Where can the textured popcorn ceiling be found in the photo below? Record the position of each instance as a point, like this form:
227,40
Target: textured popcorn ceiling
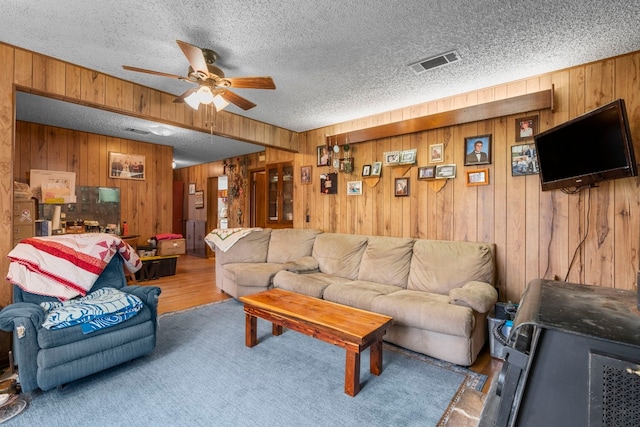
332,61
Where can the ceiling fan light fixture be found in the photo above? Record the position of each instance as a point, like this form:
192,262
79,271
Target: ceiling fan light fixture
219,102
193,100
205,95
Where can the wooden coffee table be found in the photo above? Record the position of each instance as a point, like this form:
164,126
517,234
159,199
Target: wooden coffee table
349,328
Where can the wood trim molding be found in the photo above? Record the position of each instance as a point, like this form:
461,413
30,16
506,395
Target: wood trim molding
519,104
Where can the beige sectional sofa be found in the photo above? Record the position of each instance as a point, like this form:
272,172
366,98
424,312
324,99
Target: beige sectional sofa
439,293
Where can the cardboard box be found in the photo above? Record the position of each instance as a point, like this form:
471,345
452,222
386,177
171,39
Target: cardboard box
171,247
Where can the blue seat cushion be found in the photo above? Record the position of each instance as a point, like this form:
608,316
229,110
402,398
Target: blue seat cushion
50,338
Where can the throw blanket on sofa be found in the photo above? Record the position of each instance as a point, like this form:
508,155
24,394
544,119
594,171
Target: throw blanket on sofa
100,309
66,266
224,238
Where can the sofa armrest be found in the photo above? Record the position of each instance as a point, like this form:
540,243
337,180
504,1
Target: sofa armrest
148,294
307,264
479,296
25,320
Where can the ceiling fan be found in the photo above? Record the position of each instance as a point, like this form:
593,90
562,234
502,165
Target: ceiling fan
213,87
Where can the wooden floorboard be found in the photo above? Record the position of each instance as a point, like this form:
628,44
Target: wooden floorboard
194,284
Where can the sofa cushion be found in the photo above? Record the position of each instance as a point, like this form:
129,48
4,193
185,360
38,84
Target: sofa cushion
248,274
288,244
479,296
251,248
386,260
359,294
440,265
427,311
339,254
306,264
312,284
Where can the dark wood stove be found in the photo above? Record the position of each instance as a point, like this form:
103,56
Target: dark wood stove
573,360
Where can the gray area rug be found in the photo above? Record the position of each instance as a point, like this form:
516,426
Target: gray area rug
202,374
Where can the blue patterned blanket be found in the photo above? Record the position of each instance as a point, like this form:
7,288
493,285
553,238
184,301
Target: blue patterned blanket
99,309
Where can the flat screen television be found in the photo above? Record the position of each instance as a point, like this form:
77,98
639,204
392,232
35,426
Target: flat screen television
591,148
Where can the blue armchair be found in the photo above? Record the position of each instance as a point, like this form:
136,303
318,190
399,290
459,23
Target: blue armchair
47,358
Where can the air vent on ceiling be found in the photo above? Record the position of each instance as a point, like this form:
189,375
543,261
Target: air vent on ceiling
138,131
435,62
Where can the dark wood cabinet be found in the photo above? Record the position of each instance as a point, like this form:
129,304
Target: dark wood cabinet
280,195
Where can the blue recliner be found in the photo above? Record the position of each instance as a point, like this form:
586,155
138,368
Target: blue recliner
49,358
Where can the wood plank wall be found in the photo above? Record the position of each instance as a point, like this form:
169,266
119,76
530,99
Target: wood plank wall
536,232
145,205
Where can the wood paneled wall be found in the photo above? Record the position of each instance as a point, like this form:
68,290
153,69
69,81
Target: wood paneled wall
145,205
536,233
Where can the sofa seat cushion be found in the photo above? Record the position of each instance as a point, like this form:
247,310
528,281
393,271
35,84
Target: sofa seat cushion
250,274
387,260
51,338
312,284
427,311
440,265
359,294
339,254
288,244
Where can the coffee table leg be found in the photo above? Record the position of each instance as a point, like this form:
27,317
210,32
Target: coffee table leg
352,374
375,357
251,330
276,329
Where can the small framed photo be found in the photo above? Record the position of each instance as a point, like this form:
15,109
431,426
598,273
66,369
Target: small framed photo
324,156
192,188
305,175
346,165
427,172
526,127
524,160
376,169
329,183
354,188
436,153
477,150
391,157
366,170
126,166
408,157
401,187
445,171
199,200
477,177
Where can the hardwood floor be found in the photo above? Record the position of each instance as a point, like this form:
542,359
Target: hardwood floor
194,284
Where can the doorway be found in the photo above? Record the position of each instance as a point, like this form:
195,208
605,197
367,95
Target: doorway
258,202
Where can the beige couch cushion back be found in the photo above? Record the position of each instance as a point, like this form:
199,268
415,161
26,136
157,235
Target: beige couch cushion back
439,265
386,260
251,248
339,254
289,244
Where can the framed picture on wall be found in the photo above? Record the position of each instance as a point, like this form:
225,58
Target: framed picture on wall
526,127
445,171
427,172
192,188
354,188
524,159
477,150
436,153
305,174
199,199
477,177
401,187
126,166
324,156
376,168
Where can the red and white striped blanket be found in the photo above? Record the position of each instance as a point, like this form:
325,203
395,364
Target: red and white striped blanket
66,266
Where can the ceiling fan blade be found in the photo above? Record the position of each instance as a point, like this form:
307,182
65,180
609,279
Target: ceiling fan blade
236,99
194,56
252,82
184,95
157,73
